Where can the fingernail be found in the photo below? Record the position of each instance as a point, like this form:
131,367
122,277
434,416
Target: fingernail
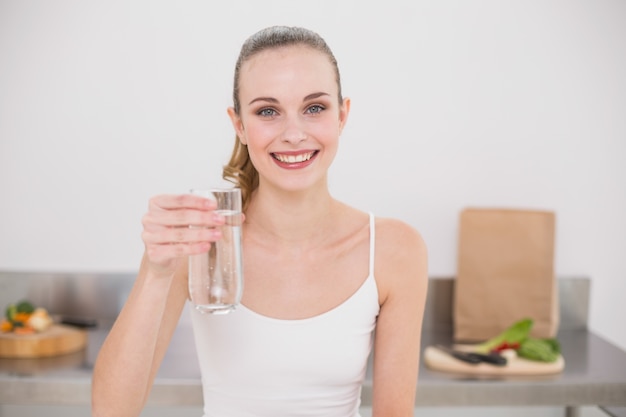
218,218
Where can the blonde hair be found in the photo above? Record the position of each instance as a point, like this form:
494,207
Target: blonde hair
240,170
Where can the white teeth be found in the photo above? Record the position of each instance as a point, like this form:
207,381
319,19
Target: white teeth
292,159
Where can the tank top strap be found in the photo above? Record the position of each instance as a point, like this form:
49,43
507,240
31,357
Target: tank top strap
372,243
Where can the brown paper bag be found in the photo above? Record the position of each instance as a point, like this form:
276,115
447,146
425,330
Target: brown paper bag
505,273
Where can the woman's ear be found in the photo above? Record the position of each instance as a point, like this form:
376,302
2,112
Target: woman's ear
235,119
344,112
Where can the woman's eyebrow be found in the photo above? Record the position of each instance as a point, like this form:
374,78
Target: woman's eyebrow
269,99
315,95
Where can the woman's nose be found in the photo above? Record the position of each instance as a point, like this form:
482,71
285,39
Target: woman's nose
294,131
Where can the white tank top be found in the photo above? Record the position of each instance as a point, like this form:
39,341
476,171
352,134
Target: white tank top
257,366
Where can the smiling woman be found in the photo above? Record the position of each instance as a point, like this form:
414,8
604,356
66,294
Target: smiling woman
320,275
290,109
296,60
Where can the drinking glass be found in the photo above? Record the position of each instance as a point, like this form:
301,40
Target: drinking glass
216,277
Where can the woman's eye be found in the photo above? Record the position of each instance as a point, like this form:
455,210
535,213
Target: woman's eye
266,112
316,108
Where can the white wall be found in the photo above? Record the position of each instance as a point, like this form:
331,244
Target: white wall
455,103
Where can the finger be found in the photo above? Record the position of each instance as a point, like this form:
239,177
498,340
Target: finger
163,253
182,217
173,235
180,201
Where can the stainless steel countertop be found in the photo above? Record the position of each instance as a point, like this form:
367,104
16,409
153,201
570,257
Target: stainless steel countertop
595,370
595,374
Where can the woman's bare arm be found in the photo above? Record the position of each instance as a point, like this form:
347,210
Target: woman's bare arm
132,352
402,276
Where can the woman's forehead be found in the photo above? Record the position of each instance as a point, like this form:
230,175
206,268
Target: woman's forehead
274,59
287,65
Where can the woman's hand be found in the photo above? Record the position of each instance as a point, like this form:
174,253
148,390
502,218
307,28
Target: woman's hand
167,234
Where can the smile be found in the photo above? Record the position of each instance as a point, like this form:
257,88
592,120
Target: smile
294,159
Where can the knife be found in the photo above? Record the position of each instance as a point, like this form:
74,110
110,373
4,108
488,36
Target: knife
80,322
474,357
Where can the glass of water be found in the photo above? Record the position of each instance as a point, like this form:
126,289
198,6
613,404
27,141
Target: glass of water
216,277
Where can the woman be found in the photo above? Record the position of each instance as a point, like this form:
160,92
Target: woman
319,275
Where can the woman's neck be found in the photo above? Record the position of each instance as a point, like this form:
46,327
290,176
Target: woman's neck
294,218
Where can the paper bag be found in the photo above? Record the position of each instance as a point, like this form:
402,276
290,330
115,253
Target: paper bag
505,272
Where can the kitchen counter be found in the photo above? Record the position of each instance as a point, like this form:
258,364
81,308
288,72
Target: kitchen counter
595,374
595,370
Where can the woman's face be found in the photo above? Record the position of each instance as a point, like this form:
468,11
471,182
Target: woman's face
290,118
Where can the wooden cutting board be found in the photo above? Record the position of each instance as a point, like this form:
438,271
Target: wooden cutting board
439,360
57,340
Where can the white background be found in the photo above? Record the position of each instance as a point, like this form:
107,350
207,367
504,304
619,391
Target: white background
517,104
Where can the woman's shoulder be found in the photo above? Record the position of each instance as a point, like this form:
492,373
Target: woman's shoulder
390,232
397,235
392,235
401,259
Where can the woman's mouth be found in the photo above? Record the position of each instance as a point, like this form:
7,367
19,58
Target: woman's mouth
294,160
